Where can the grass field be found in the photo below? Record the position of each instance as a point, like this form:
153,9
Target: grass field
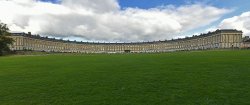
181,78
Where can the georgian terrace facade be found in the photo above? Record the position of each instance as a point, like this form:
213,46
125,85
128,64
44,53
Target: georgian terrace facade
219,39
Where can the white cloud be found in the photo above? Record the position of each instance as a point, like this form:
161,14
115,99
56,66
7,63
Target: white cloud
103,20
92,5
241,22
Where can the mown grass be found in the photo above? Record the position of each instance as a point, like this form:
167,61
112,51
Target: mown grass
181,78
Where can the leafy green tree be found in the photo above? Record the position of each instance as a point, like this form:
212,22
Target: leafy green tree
5,41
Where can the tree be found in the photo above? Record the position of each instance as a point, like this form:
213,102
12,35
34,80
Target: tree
5,41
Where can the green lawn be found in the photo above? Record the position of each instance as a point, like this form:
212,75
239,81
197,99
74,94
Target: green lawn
181,78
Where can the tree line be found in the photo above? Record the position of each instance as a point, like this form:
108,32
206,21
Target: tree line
5,41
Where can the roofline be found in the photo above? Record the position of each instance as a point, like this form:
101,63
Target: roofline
149,42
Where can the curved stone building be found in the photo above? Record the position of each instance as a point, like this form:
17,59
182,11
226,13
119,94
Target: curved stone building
219,39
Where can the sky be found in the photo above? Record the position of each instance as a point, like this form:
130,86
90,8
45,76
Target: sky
124,20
